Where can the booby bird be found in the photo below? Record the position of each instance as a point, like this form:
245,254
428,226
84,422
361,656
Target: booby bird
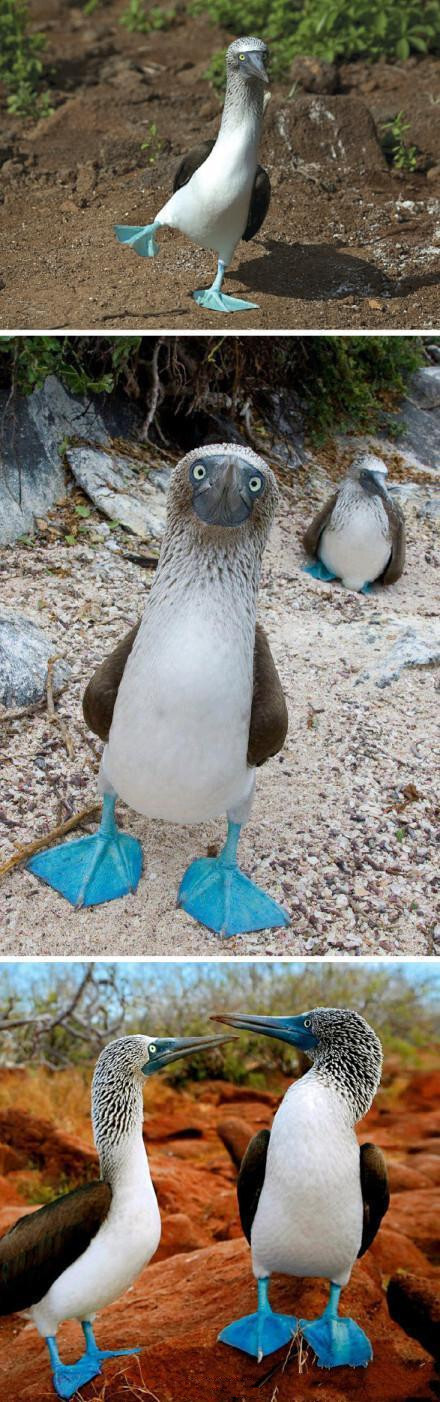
190,702
220,193
70,1259
359,535
311,1199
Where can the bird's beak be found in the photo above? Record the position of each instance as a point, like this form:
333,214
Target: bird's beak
254,66
168,1049
371,480
224,500
285,1029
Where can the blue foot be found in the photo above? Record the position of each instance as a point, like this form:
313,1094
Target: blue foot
337,1343
94,869
319,571
260,1333
366,589
138,237
217,894
219,302
68,1378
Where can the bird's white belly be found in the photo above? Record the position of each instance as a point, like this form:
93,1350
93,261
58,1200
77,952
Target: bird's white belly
121,1248
178,742
212,209
358,550
309,1217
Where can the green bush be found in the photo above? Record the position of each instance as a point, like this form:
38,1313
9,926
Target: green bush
138,20
21,64
329,29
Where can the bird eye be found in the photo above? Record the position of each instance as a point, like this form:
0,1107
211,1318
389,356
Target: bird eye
255,484
307,1022
199,472
242,56
152,1047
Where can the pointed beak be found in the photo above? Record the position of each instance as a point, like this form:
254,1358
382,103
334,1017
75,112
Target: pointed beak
167,1049
254,66
285,1029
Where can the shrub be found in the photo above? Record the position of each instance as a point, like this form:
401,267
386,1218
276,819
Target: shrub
21,64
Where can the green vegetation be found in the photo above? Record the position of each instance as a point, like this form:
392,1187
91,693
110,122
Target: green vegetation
397,150
21,63
329,29
138,20
153,143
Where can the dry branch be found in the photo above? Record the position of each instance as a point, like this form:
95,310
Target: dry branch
41,842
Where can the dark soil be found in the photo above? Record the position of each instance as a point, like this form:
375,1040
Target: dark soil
348,241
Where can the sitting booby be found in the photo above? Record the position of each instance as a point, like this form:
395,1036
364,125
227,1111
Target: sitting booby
359,535
311,1199
220,193
190,702
81,1252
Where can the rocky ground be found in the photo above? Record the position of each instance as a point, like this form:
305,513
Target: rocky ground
201,1276
349,242
344,830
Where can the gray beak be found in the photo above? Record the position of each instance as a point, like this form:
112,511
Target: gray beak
254,66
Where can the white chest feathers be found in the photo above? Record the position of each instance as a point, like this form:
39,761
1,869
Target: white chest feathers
356,545
309,1217
179,738
212,209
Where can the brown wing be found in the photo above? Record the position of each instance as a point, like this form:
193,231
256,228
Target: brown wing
313,533
396,562
269,719
251,1179
100,694
375,1192
39,1247
260,198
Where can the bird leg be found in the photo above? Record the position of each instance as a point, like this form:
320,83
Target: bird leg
260,1333
217,894
216,300
98,1354
68,1377
319,571
139,237
336,1342
93,869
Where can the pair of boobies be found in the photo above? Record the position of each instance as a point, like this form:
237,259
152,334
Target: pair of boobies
190,702
359,534
220,193
70,1259
311,1199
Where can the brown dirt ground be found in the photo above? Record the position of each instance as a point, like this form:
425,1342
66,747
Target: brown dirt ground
355,245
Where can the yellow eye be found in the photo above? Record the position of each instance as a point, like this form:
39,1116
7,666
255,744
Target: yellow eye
152,1047
242,56
199,472
255,484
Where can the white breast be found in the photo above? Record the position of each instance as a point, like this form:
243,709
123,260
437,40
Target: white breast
309,1217
356,546
212,209
178,742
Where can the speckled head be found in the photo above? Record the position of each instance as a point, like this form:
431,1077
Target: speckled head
248,56
369,471
223,490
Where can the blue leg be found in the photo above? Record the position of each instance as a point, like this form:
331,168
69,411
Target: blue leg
96,1354
260,1333
216,300
68,1377
93,869
217,894
139,237
319,571
366,589
335,1341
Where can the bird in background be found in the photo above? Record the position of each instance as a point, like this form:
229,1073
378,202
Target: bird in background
359,534
70,1259
311,1199
220,194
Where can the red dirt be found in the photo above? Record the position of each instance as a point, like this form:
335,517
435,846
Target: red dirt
348,242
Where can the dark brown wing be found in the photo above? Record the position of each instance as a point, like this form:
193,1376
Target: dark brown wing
39,1247
396,562
313,533
375,1192
100,694
190,163
260,198
251,1179
269,719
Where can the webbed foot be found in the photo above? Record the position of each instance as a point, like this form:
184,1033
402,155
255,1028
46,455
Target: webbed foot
337,1343
139,237
319,571
92,869
219,302
68,1378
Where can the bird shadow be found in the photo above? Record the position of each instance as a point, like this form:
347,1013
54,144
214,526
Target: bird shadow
319,272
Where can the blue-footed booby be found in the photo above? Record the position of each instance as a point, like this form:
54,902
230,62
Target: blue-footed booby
359,534
221,194
190,703
70,1259
311,1198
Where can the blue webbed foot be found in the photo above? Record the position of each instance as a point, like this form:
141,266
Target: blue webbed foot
259,1334
101,1353
219,302
217,894
138,237
319,571
93,869
366,589
68,1378
337,1342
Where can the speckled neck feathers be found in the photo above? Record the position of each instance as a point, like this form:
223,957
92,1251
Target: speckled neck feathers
348,1058
117,1100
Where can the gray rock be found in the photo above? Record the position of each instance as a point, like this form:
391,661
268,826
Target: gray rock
425,387
24,654
410,650
117,488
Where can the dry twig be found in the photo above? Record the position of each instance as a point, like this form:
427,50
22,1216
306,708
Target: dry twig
41,842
